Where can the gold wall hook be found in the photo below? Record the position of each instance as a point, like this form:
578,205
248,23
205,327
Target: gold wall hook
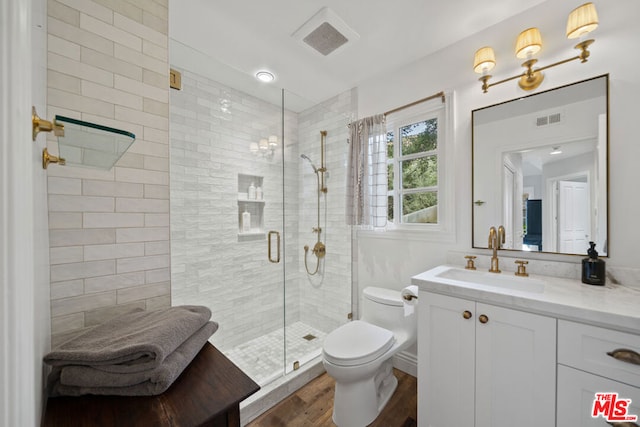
48,158
40,125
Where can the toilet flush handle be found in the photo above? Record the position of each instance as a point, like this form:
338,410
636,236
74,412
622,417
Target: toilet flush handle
409,297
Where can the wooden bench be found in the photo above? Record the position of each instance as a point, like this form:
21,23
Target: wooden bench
207,393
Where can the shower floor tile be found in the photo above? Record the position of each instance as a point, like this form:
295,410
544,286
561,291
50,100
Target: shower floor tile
262,358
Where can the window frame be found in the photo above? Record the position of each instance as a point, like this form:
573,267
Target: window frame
444,230
398,191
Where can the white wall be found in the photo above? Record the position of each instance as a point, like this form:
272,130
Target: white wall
42,297
388,261
24,269
109,229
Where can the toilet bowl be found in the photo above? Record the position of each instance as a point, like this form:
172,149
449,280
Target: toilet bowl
357,355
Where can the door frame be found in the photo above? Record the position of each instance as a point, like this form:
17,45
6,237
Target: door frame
550,214
21,265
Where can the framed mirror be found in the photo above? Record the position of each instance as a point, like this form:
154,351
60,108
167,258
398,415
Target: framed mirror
540,169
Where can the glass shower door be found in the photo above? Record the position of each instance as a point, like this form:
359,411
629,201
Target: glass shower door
226,183
260,250
244,204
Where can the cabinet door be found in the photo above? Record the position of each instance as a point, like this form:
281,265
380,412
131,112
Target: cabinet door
576,392
445,361
515,368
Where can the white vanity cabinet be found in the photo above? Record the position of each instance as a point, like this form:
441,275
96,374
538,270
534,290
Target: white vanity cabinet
482,365
585,368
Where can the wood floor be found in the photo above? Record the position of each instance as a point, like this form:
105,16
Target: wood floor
312,406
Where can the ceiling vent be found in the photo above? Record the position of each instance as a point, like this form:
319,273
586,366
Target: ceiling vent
325,32
554,118
541,121
548,120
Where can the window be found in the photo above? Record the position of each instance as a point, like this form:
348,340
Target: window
414,150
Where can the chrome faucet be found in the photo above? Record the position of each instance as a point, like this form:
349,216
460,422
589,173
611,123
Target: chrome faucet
496,239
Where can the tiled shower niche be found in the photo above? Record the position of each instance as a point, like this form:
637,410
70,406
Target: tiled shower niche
253,204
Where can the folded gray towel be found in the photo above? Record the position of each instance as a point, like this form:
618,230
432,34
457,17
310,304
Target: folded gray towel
135,342
80,380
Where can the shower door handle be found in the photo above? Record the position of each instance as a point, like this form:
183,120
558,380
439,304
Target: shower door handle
277,260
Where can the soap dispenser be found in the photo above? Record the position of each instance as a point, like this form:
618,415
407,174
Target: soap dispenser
593,269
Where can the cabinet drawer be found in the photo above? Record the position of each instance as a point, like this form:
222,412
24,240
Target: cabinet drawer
577,391
585,347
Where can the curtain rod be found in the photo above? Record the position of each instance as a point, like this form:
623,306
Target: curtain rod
428,98
436,95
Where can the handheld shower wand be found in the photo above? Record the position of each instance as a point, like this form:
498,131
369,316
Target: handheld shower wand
304,156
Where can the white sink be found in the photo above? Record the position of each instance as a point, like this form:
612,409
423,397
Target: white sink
505,280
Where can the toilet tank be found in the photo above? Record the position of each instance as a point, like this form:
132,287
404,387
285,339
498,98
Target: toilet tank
385,308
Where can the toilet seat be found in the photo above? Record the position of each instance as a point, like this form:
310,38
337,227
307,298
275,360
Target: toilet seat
356,343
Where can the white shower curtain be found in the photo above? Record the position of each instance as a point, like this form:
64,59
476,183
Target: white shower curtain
367,173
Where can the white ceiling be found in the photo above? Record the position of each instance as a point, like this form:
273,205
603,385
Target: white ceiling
236,38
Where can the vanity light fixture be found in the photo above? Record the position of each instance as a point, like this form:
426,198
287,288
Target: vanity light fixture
582,20
265,147
265,76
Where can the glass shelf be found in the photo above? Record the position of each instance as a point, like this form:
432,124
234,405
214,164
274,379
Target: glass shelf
91,145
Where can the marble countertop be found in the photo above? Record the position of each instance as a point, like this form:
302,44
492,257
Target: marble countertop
610,306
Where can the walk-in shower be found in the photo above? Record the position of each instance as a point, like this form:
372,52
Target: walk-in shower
319,249
272,317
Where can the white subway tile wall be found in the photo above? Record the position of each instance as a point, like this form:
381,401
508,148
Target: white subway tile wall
212,127
109,230
325,302
209,265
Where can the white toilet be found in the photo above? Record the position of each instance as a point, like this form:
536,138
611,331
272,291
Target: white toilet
358,354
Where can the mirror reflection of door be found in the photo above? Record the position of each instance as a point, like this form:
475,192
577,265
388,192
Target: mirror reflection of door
562,219
573,216
507,197
512,219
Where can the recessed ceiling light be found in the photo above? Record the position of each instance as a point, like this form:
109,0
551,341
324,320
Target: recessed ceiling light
265,76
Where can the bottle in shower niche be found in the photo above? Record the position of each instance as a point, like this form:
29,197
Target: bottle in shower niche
593,269
251,192
246,221
258,193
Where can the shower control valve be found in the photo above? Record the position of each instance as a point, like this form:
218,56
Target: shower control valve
319,250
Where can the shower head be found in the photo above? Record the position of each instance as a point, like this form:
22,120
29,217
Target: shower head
304,156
